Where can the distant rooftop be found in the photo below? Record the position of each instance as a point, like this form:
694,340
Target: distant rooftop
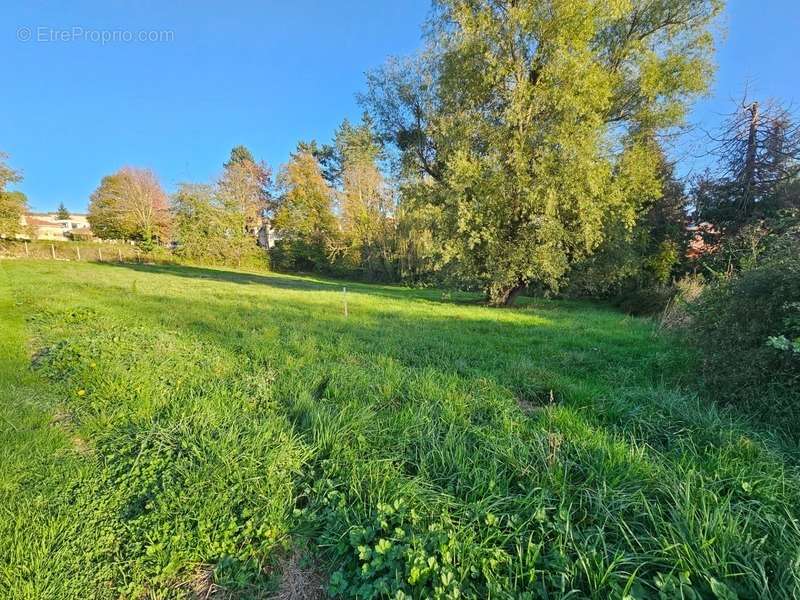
53,212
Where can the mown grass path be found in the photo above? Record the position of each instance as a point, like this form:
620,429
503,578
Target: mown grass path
177,431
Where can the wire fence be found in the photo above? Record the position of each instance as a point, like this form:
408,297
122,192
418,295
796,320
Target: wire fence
81,251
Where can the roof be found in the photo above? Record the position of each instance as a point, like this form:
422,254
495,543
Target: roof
54,212
31,220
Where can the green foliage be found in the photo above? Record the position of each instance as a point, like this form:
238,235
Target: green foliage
366,247
62,213
303,217
7,174
13,205
244,193
219,224
746,325
210,231
421,446
419,257
531,126
638,261
239,155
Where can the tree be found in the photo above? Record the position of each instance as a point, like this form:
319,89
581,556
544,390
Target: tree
208,231
244,195
199,223
645,255
244,188
303,215
130,205
13,205
419,257
532,124
62,213
365,200
239,155
758,160
7,174
325,155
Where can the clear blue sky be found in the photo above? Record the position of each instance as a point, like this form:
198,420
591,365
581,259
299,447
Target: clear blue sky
263,74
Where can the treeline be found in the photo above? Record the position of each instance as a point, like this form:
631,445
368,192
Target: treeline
330,209
214,223
518,147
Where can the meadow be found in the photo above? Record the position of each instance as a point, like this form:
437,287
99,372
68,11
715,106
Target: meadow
181,432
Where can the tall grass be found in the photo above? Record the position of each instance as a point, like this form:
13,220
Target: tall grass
178,421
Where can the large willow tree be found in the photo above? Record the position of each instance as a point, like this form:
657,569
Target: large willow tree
532,123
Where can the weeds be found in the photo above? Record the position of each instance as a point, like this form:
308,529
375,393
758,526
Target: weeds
424,447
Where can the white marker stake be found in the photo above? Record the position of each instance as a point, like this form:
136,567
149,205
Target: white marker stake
53,251
27,254
78,252
100,254
344,295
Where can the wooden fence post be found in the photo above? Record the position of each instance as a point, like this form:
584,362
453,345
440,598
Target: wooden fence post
27,254
53,251
100,254
78,251
119,254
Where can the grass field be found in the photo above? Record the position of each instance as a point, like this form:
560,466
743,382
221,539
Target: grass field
184,432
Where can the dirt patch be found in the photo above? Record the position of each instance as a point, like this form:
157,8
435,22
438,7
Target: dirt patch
301,578
201,586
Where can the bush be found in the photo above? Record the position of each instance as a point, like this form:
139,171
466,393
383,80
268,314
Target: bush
746,327
300,256
80,235
677,313
645,301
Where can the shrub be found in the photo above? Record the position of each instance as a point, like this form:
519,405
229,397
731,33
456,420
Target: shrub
645,301
80,235
299,255
746,327
678,311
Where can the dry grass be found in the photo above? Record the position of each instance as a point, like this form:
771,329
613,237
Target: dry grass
300,578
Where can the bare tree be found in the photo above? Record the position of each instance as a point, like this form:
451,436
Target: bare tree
758,150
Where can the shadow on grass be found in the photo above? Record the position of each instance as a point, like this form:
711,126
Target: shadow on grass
558,346
304,283
420,395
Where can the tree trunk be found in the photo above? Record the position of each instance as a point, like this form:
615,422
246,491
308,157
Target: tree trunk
513,293
746,203
507,296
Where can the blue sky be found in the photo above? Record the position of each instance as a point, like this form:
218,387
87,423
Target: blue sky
264,74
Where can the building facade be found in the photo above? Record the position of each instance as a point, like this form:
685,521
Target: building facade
47,226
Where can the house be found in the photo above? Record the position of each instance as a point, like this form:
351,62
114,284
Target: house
47,226
266,235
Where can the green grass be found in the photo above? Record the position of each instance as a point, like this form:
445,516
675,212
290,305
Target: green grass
165,428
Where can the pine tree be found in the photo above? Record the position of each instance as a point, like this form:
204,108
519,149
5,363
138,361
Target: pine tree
62,213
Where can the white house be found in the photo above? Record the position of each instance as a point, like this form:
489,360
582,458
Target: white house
47,226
